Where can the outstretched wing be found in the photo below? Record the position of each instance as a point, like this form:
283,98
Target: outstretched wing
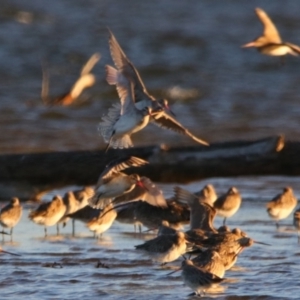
119,164
166,121
270,31
90,64
125,66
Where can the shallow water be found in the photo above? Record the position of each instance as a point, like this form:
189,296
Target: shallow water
188,51
228,93
64,267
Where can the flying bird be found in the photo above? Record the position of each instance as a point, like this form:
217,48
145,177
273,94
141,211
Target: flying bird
270,42
85,80
141,95
113,183
123,120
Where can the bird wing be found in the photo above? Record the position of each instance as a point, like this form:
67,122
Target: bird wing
149,193
153,195
119,164
124,88
159,244
166,121
136,194
183,196
90,64
124,65
294,47
220,201
270,30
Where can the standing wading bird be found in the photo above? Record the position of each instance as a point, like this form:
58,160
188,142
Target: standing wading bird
142,97
10,215
201,212
228,204
125,119
270,42
49,214
103,221
74,201
113,183
86,79
282,205
210,261
196,278
165,248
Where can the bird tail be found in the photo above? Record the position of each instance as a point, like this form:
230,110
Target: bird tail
183,196
112,75
295,49
97,202
106,126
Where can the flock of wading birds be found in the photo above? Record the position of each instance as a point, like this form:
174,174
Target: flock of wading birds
135,199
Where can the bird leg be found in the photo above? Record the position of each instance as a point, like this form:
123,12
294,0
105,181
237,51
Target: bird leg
45,230
110,139
73,227
224,221
57,229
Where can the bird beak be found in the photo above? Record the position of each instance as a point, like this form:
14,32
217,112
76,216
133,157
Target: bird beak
9,252
174,271
140,183
167,107
251,44
261,243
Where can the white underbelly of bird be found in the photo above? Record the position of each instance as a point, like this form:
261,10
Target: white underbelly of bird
277,50
129,125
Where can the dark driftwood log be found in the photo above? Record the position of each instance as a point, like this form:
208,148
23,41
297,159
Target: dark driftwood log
30,175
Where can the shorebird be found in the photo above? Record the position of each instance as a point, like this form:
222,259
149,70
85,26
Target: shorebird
113,183
146,191
210,261
126,215
196,278
297,222
74,201
85,80
48,214
201,212
228,204
142,97
165,248
209,193
228,244
123,120
103,221
270,42
152,215
10,215
282,205
84,215
165,228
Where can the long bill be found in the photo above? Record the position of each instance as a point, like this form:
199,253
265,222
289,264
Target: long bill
1,250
